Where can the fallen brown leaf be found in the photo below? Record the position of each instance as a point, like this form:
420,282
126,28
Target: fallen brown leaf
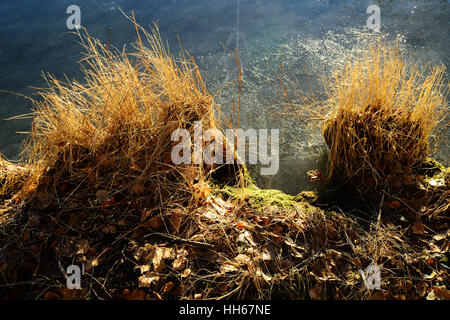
316,292
51,296
101,195
197,296
441,293
155,223
34,221
418,228
83,246
168,287
393,204
186,273
175,220
137,189
146,280
108,228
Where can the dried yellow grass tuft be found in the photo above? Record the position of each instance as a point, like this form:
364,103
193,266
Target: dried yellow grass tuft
113,131
378,114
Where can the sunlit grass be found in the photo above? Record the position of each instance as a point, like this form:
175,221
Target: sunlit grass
113,130
380,113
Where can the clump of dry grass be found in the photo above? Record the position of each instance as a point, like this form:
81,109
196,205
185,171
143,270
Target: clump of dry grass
379,114
113,131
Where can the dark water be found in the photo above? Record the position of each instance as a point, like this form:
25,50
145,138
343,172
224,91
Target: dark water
315,34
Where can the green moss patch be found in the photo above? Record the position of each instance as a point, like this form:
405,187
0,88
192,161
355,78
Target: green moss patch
260,198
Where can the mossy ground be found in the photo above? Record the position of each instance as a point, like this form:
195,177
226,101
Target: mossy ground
259,199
